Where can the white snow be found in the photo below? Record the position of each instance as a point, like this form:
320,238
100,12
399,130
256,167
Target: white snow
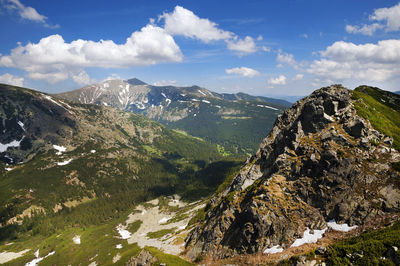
37,253
168,101
60,149
205,101
273,250
8,169
182,227
308,237
6,256
106,85
163,94
21,125
106,104
37,260
202,92
125,234
183,95
219,107
93,151
163,220
266,106
77,240
14,143
195,100
144,212
119,246
51,99
64,163
340,227
195,115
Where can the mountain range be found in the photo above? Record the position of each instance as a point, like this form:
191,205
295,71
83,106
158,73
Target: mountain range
236,122
86,177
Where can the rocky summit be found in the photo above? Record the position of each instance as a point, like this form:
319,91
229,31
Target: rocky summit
321,162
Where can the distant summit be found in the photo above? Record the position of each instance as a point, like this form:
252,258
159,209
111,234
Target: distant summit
136,81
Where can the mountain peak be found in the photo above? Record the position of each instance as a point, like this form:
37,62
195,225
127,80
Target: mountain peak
135,81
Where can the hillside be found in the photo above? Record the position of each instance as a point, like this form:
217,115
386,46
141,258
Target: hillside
327,166
58,156
236,122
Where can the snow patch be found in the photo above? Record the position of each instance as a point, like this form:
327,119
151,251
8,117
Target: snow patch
64,163
77,240
273,250
168,101
308,237
53,101
340,227
8,169
119,246
163,94
60,149
183,95
37,260
219,107
21,125
105,104
106,85
14,143
202,92
266,106
195,100
125,234
163,220
182,227
205,101
36,253
93,151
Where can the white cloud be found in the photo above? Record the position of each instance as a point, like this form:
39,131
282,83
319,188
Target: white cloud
26,12
389,15
12,80
52,59
298,77
286,59
265,49
184,22
244,71
82,78
305,36
242,46
281,80
113,76
165,83
365,29
364,62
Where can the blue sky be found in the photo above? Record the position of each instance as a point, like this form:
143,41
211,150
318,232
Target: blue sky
288,47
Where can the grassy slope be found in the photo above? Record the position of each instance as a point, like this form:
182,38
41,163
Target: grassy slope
124,170
381,108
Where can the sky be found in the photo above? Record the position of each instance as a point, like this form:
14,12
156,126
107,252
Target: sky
260,47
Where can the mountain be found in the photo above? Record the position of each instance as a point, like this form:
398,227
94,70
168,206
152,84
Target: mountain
56,155
236,122
397,92
331,162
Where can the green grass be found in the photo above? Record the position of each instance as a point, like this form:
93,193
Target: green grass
159,234
383,117
133,227
166,258
373,246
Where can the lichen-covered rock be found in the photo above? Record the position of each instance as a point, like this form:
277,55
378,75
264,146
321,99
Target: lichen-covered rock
321,161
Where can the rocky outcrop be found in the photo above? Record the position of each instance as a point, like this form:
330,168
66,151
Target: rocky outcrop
321,161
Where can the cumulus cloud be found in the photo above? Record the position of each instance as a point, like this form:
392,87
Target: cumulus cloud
389,19
52,59
286,59
82,78
12,80
244,71
298,77
364,62
184,22
281,80
26,12
242,46
165,83
365,29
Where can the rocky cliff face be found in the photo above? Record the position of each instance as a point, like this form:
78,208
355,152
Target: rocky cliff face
321,161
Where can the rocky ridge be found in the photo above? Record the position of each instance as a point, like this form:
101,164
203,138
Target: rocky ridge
320,162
